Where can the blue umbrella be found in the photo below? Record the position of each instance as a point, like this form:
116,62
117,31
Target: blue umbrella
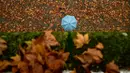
69,23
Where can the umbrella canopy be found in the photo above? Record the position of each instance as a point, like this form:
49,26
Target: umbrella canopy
69,23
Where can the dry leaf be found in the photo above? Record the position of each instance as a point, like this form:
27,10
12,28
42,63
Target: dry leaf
16,58
22,50
2,41
112,68
3,46
85,59
55,60
79,41
99,46
23,66
31,57
37,68
48,71
74,71
86,38
96,54
64,56
40,59
39,49
29,44
4,64
50,39
14,69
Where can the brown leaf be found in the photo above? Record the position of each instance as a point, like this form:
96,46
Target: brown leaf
48,71
4,64
74,71
86,59
2,41
56,64
3,46
50,39
99,46
96,54
23,66
55,60
30,57
37,68
64,56
14,69
112,68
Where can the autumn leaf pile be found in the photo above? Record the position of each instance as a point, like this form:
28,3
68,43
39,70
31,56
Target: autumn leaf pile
39,57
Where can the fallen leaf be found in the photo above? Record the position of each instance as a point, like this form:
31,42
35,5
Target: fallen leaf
30,57
95,52
2,41
37,68
3,46
85,59
4,64
16,58
86,38
22,50
50,39
112,68
74,71
65,55
14,69
48,71
23,66
99,46
55,61
79,40
29,44
40,59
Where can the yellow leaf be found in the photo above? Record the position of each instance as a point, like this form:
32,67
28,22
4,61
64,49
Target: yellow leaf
86,38
79,41
99,46
40,59
29,43
2,41
16,58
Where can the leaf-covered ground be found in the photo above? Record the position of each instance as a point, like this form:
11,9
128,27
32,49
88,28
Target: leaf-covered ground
38,15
